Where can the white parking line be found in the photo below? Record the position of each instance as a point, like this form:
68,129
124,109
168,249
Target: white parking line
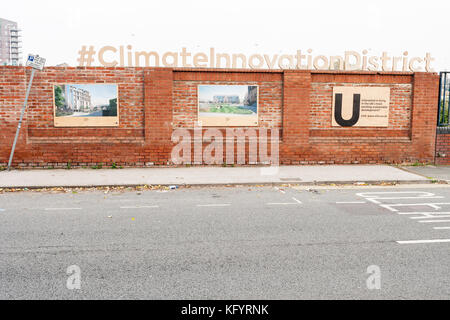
425,213
374,197
57,209
214,205
423,241
140,207
434,221
351,202
298,201
419,216
431,216
281,204
435,206
420,194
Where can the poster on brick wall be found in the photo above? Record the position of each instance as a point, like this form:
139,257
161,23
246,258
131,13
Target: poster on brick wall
228,105
361,106
86,105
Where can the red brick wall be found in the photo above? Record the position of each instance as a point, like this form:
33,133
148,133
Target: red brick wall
443,146
155,101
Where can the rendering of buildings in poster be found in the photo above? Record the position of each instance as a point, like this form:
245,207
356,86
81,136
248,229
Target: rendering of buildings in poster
86,105
361,106
228,105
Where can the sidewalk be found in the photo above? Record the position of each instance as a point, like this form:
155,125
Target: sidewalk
440,173
338,174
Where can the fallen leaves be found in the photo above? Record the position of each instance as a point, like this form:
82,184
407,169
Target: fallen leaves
76,190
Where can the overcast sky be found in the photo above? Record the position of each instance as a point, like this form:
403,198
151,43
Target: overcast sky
57,29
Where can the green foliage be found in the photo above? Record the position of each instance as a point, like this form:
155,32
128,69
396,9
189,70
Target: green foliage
114,165
98,166
112,109
69,165
443,116
229,109
59,98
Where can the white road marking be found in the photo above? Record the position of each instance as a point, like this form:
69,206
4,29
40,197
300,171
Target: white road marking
298,201
282,203
375,196
57,209
431,216
423,241
420,216
435,206
140,207
423,213
351,202
398,198
421,194
214,205
434,221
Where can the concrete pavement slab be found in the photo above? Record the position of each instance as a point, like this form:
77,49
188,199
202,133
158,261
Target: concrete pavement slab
208,176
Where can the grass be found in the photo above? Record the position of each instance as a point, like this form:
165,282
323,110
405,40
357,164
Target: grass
98,166
443,118
230,109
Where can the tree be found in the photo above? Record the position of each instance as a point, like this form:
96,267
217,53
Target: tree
59,98
112,109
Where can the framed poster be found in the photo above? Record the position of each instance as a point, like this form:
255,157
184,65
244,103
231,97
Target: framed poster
228,105
85,105
361,106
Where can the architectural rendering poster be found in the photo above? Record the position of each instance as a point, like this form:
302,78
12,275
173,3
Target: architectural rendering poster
228,105
86,105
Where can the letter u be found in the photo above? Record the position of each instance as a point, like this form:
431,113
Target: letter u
338,110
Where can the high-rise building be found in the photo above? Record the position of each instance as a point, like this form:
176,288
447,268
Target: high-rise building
10,44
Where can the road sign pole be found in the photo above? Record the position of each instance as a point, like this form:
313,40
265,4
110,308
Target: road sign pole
21,118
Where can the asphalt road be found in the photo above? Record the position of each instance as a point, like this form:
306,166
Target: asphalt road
227,243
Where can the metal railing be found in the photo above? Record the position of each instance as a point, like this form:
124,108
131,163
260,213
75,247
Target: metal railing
444,97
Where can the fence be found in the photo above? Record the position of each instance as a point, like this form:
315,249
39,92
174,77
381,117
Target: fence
444,97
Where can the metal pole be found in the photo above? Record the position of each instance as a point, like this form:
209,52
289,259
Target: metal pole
20,121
